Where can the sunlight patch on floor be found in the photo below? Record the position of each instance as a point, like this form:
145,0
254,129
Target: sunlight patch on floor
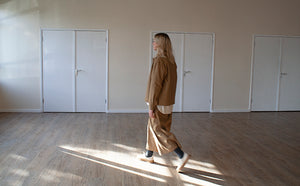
19,172
196,173
13,171
125,147
128,159
17,157
203,166
125,159
57,176
117,167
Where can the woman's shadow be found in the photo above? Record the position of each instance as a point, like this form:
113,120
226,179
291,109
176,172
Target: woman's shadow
202,175
198,174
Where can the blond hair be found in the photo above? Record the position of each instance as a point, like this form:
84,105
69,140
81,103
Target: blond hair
164,46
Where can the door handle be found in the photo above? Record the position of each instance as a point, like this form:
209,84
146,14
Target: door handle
186,72
283,73
77,70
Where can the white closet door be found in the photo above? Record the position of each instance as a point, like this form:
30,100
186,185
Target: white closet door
265,73
197,72
177,44
289,96
90,71
58,71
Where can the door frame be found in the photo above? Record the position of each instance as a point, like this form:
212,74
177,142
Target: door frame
74,48
279,68
182,58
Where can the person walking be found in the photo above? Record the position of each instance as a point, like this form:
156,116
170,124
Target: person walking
160,97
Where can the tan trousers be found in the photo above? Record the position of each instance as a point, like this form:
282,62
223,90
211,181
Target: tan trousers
159,137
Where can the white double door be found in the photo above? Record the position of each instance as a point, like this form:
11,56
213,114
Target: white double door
276,74
193,54
74,71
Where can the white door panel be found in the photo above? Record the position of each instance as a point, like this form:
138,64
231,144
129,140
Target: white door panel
90,71
177,43
74,71
192,52
197,72
289,96
58,70
265,73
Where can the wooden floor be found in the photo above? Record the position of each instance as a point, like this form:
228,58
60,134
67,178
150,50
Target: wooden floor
100,149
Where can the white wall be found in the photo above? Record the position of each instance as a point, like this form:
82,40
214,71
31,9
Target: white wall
129,23
19,56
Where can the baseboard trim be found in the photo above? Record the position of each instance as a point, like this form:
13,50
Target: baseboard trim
21,110
127,111
230,110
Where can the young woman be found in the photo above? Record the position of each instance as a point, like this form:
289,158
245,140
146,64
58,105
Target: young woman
160,97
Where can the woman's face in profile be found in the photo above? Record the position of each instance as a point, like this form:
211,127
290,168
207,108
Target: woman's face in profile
154,44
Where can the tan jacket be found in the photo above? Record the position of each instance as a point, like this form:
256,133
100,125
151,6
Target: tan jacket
162,83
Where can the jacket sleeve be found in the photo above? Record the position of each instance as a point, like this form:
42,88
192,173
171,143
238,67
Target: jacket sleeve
158,75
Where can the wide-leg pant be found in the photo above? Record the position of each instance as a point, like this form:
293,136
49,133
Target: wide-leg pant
159,137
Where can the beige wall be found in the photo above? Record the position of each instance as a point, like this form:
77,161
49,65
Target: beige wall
129,23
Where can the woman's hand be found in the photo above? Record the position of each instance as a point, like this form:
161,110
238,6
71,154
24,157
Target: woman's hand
151,114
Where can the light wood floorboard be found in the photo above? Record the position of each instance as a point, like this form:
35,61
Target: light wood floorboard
259,148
